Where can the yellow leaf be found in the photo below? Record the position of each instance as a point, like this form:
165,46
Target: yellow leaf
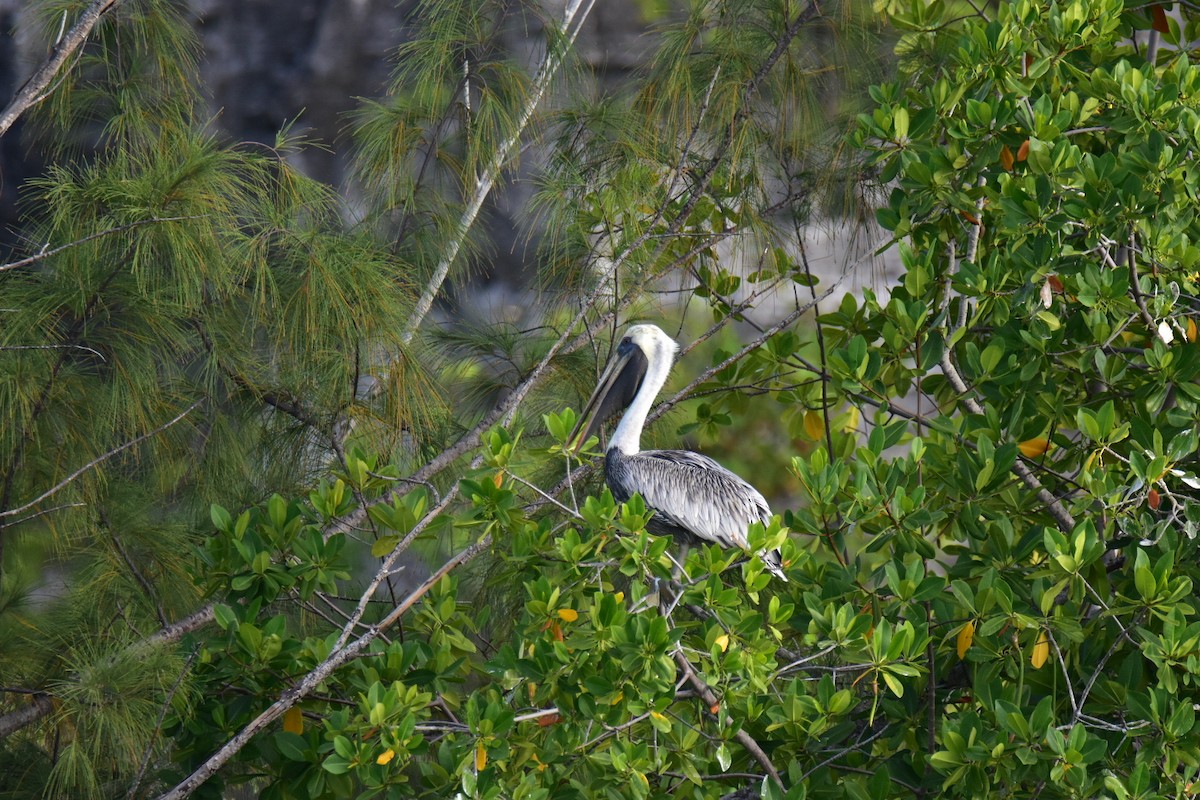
568,614
814,424
722,642
620,597
1190,330
386,756
1041,651
499,479
853,417
480,757
966,635
1032,448
293,720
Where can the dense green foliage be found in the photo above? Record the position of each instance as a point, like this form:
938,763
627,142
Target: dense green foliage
991,550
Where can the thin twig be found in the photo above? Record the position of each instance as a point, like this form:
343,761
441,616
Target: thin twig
98,460
44,512
856,746
147,588
1062,516
824,373
385,569
162,715
43,254
549,499
1075,707
85,348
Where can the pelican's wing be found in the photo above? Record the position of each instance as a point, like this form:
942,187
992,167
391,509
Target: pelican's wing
695,493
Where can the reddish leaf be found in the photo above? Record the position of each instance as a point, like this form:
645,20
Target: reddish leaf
1158,19
1006,158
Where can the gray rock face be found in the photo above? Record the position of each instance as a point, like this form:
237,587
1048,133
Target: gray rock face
271,62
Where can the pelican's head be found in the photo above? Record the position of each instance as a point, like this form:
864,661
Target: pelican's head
644,349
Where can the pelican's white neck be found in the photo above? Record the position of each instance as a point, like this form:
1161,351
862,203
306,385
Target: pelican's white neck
660,352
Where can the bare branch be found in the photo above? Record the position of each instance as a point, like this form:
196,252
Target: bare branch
707,695
45,253
385,569
1062,516
316,676
32,92
485,182
162,715
39,707
857,746
98,460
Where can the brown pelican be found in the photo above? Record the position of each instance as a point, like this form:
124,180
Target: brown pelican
692,496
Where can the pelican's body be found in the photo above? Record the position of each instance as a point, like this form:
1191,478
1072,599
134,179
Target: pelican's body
691,495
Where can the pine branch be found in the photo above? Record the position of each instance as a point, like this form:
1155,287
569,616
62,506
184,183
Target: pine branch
40,707
45,253
32,92
571,24
43,704
99,460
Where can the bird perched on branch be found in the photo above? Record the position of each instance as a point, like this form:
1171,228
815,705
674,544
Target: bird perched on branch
692,496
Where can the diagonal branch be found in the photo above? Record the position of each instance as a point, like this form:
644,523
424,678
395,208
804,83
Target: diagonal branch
748,741
45,252
39,707
572,22
43,703
32,92
316,676
1066,522
98,460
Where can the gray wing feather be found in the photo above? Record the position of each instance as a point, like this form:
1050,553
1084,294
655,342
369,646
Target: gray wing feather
695,493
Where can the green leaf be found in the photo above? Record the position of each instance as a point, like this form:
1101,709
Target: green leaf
384,545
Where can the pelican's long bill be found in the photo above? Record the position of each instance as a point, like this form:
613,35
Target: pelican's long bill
618,386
